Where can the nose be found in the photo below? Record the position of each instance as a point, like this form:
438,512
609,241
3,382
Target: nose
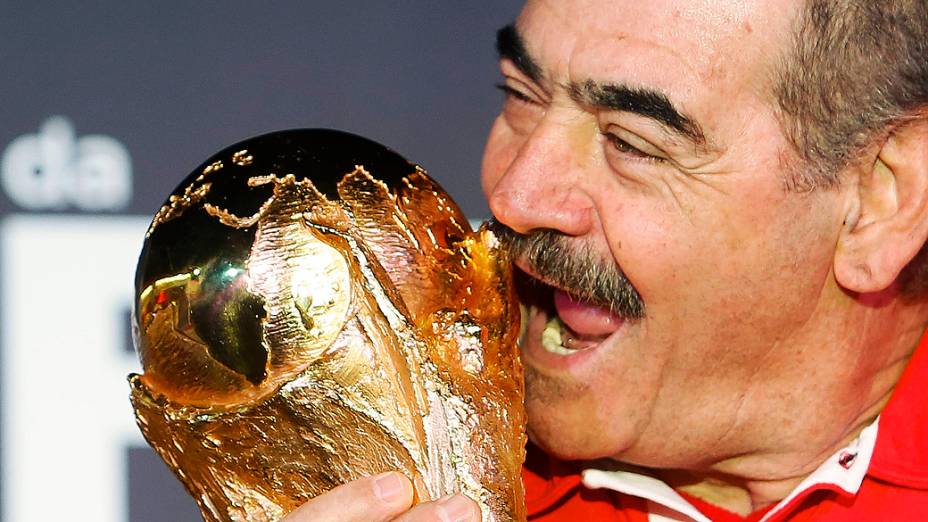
542,186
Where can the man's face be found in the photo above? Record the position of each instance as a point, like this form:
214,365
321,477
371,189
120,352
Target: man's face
645,135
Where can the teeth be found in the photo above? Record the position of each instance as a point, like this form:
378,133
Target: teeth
551,338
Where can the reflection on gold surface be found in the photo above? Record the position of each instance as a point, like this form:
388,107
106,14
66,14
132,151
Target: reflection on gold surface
357,334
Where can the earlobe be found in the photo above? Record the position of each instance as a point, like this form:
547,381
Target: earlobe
887,218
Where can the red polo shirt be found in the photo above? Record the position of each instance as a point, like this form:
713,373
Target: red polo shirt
894,486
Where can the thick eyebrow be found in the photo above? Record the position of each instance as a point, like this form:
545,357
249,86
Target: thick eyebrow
646,102
509,45
642,101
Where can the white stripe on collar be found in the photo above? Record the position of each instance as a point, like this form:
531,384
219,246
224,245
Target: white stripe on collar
845,469
648,488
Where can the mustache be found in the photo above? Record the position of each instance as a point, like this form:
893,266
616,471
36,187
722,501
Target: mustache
575,270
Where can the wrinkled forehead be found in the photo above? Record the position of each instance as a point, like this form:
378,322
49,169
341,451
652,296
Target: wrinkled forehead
688,49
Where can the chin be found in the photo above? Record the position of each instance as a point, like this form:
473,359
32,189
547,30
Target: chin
569,429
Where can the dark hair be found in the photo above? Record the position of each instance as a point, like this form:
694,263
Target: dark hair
855,68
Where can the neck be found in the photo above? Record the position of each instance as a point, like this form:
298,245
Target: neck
751,481
745,494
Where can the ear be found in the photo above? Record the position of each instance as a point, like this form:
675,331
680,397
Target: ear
887,218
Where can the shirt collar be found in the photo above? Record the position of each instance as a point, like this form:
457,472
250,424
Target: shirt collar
844,471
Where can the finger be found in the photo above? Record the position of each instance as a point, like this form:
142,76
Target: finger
454,508
378,498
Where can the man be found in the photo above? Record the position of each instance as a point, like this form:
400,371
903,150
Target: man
719,207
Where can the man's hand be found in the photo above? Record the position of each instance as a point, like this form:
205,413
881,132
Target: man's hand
381,498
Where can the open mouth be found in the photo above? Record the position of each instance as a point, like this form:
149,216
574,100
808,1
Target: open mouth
571,325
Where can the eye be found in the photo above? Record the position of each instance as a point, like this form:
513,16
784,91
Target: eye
513,94
625,148
629,146
522,109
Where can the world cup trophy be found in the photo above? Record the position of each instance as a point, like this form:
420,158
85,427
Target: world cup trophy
312,308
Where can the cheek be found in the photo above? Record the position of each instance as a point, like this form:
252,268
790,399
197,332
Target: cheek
724,261
638,238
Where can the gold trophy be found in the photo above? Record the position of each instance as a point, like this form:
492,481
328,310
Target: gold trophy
311,308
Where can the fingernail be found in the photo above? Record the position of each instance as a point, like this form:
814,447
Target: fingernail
456,508
388,486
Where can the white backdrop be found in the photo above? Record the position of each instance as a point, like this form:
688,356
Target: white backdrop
66,421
